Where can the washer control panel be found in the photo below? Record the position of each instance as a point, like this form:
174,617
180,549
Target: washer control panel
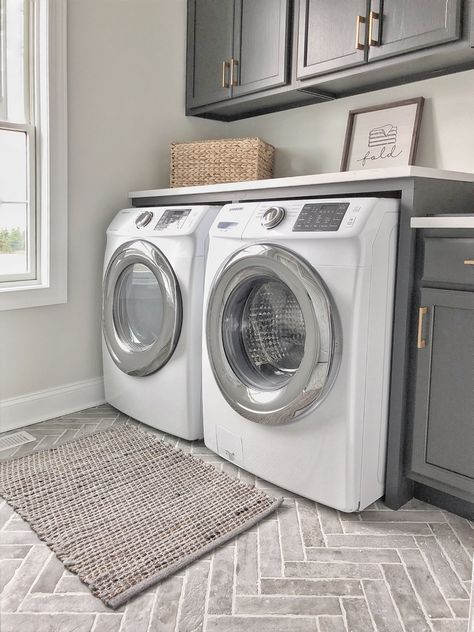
320,216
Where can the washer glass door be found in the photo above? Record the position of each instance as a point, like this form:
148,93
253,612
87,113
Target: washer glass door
272,334
142,308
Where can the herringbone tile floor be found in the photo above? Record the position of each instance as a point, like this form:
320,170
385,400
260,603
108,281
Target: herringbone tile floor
305,569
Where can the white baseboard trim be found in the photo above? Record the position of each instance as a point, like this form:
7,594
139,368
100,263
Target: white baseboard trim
17,412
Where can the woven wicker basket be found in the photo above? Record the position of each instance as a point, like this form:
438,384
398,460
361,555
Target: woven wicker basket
215,161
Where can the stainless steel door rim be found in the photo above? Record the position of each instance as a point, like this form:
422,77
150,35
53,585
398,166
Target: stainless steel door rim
136,352
273,334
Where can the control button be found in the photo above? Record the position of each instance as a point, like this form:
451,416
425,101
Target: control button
143,219
272,217
351,221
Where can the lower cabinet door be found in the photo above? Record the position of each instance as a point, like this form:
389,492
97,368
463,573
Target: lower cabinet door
443,425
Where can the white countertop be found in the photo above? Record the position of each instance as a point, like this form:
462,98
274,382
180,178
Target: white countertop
444,221
320,178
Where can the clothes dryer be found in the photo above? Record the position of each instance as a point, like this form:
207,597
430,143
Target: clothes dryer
152,315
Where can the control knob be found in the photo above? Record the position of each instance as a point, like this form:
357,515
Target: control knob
143,219
273,216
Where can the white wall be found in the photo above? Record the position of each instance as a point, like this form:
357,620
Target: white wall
126,62
126,104
310,139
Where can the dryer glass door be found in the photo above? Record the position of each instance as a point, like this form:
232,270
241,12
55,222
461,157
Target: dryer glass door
142,308
272,334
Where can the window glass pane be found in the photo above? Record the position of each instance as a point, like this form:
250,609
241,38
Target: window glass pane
15,56
13,239
13,166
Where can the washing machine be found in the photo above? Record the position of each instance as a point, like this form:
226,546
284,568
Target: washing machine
297,343
152,315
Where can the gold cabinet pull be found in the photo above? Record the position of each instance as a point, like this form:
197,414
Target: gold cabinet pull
421,342
359,20
469,262
225,67
374,15
234,78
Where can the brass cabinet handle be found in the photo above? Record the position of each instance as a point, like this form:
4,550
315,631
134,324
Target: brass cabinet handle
234,79
225,67
421,342
374,15
359,20
469,262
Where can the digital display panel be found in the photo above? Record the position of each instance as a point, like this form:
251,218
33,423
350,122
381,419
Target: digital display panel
175,217
321,216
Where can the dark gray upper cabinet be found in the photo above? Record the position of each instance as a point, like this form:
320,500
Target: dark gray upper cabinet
210,47
443,417
332,35
236,47
260,45
401,26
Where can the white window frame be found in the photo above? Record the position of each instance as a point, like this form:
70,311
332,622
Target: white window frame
49,103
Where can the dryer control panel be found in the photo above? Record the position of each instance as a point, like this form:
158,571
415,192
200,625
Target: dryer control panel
160,220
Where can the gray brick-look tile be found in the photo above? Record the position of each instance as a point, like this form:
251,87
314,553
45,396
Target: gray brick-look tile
460,607
342,571
28,622
7,570
261,624
329,519
430,596
49,576
337,570
363,556
372,541
453,625
191,611
328,587
387,528
452,547
26,574
165,609
137,614
291,543
222,581
448,581
357,615
277,605
403,516
405,598
309,521
57,602
246,572
331,624
269,549
381,606
107,623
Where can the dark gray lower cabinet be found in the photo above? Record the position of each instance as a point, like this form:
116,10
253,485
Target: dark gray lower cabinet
443,422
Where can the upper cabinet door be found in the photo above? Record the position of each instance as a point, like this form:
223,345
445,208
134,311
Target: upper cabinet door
331,36
210,38
261,44
401,26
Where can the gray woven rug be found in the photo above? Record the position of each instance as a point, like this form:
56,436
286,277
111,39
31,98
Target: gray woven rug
123,509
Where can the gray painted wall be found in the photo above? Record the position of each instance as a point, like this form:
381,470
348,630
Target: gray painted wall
126,104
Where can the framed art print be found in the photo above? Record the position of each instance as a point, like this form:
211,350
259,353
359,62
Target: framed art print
382,135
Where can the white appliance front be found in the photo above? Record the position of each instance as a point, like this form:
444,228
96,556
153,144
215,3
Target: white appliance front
297,343
151,322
